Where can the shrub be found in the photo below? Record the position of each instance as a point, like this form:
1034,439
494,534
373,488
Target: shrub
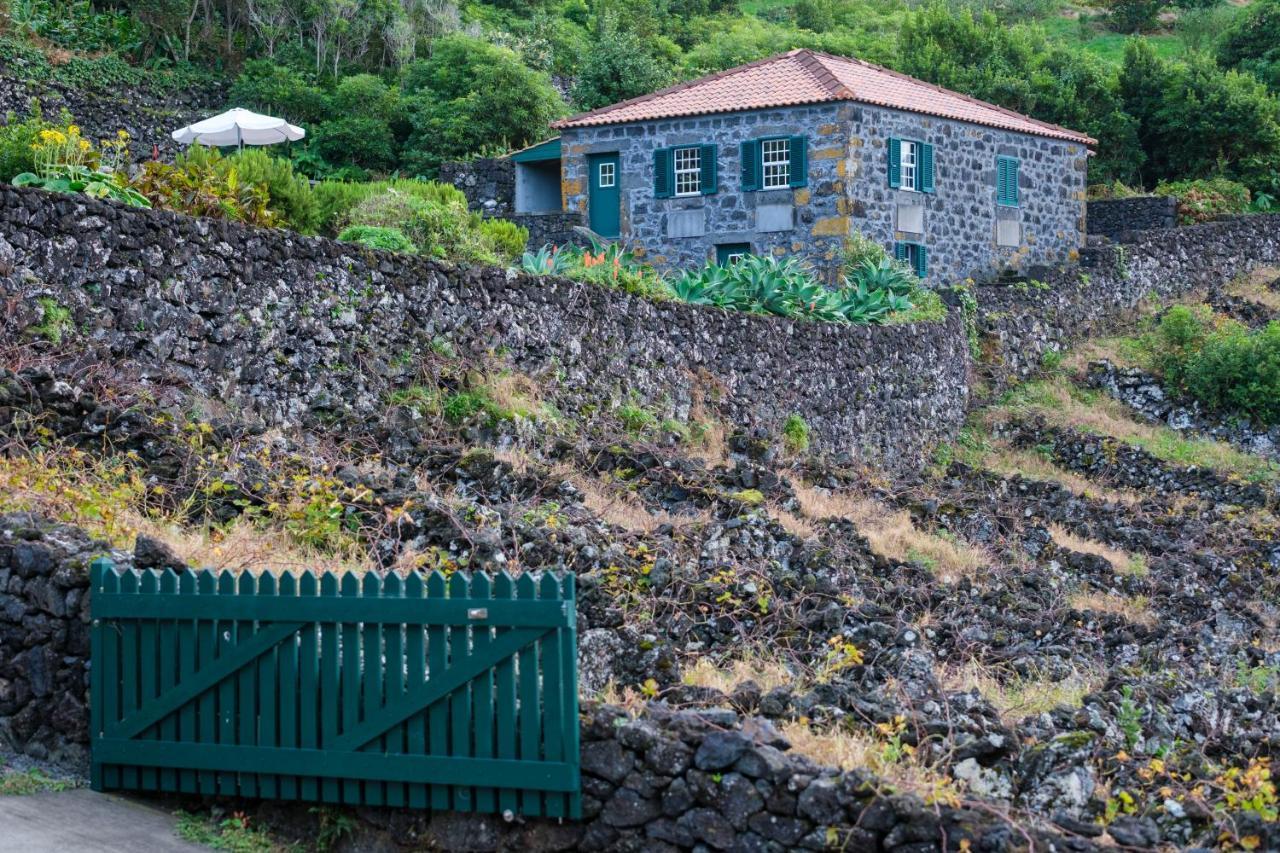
434,218
613,266
18,140
388,239
357,140
201,182
859,249
795,434
64,161
288,195
507,238
1222,365
335,199
1202,200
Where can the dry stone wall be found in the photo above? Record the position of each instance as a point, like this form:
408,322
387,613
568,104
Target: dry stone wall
1118,217
293,330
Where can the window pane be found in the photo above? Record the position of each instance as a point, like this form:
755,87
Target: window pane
775,159
908,165
688,170
608,175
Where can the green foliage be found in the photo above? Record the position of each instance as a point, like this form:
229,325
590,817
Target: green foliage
471,95
434,217
55,320
860,249
234,834
636,419
201,182
617,66
507,238
1222,364
18,138
1129,718
767,285
360,141
376,237
548,260
795,434
1195,120
289,195
926,307
67,178
1134,16
21,783
276,90
1200,201
76,24
1252,42
609,265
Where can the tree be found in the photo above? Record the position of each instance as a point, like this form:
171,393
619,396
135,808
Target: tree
1252,42
617,66
816,15
472,96
279,91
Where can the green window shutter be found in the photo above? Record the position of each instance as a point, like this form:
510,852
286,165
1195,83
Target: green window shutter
922,261
710,169
662,183
1007,181
895,163
926,168
799,161
899,251
750,164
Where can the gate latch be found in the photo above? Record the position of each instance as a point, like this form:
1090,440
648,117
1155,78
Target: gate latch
478,613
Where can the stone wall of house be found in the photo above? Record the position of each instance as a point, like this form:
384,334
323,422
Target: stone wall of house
811,221
289,329
1019,322
1119,218
848,190
961,218
555,229
149,117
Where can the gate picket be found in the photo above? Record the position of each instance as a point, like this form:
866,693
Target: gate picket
217,684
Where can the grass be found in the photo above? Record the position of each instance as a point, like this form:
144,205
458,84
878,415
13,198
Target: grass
926,307
1019,696
234,834
21,783
1122,562
1136,609
880,751
1253,288
1064,404
724,676
616,506
893,534
978,449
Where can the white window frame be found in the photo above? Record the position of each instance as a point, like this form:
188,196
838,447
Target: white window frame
909,163
612,173
686,164
775,163
733,258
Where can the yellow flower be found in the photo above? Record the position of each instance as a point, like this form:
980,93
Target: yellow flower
84,145
122,134
73,129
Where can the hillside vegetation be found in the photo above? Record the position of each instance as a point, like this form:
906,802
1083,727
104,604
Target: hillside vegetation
1172,92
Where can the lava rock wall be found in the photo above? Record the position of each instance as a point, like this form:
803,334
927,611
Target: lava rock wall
1019,323
1117,218
149,117
291,330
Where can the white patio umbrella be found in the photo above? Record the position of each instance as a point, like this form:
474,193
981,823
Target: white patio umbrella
240,128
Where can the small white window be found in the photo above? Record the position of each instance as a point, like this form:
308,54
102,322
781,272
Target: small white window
608,175
909,171
775,160
688,170
734,257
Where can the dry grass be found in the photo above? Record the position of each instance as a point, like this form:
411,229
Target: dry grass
244,546
724,677
797,526
619,507
1121,561
900,767
1253,288
1019,696
998,456
1136,609
1062,403
893,534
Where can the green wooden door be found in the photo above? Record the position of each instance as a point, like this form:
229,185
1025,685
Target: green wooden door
428,692
604,201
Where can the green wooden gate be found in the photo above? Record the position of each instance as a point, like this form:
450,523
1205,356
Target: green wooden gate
455,693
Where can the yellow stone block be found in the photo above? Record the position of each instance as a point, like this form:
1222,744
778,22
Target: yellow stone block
1073,255
856,142
833,153
842,168
779,251
828,129
797,246
831,226
802,196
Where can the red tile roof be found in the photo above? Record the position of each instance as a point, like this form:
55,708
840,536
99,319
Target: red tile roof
808,77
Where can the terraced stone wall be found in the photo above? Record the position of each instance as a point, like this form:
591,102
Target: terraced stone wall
1020,322
293,330
1117,218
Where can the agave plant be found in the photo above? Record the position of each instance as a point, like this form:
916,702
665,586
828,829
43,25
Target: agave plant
546,261
884,274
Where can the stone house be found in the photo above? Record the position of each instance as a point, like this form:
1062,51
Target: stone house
793,154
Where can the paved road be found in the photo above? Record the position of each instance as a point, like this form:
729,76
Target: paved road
84,821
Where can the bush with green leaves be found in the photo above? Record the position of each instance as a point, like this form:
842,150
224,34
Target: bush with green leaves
508,239
201,182
434,217
375,237
1220,363
1203,200
288,195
